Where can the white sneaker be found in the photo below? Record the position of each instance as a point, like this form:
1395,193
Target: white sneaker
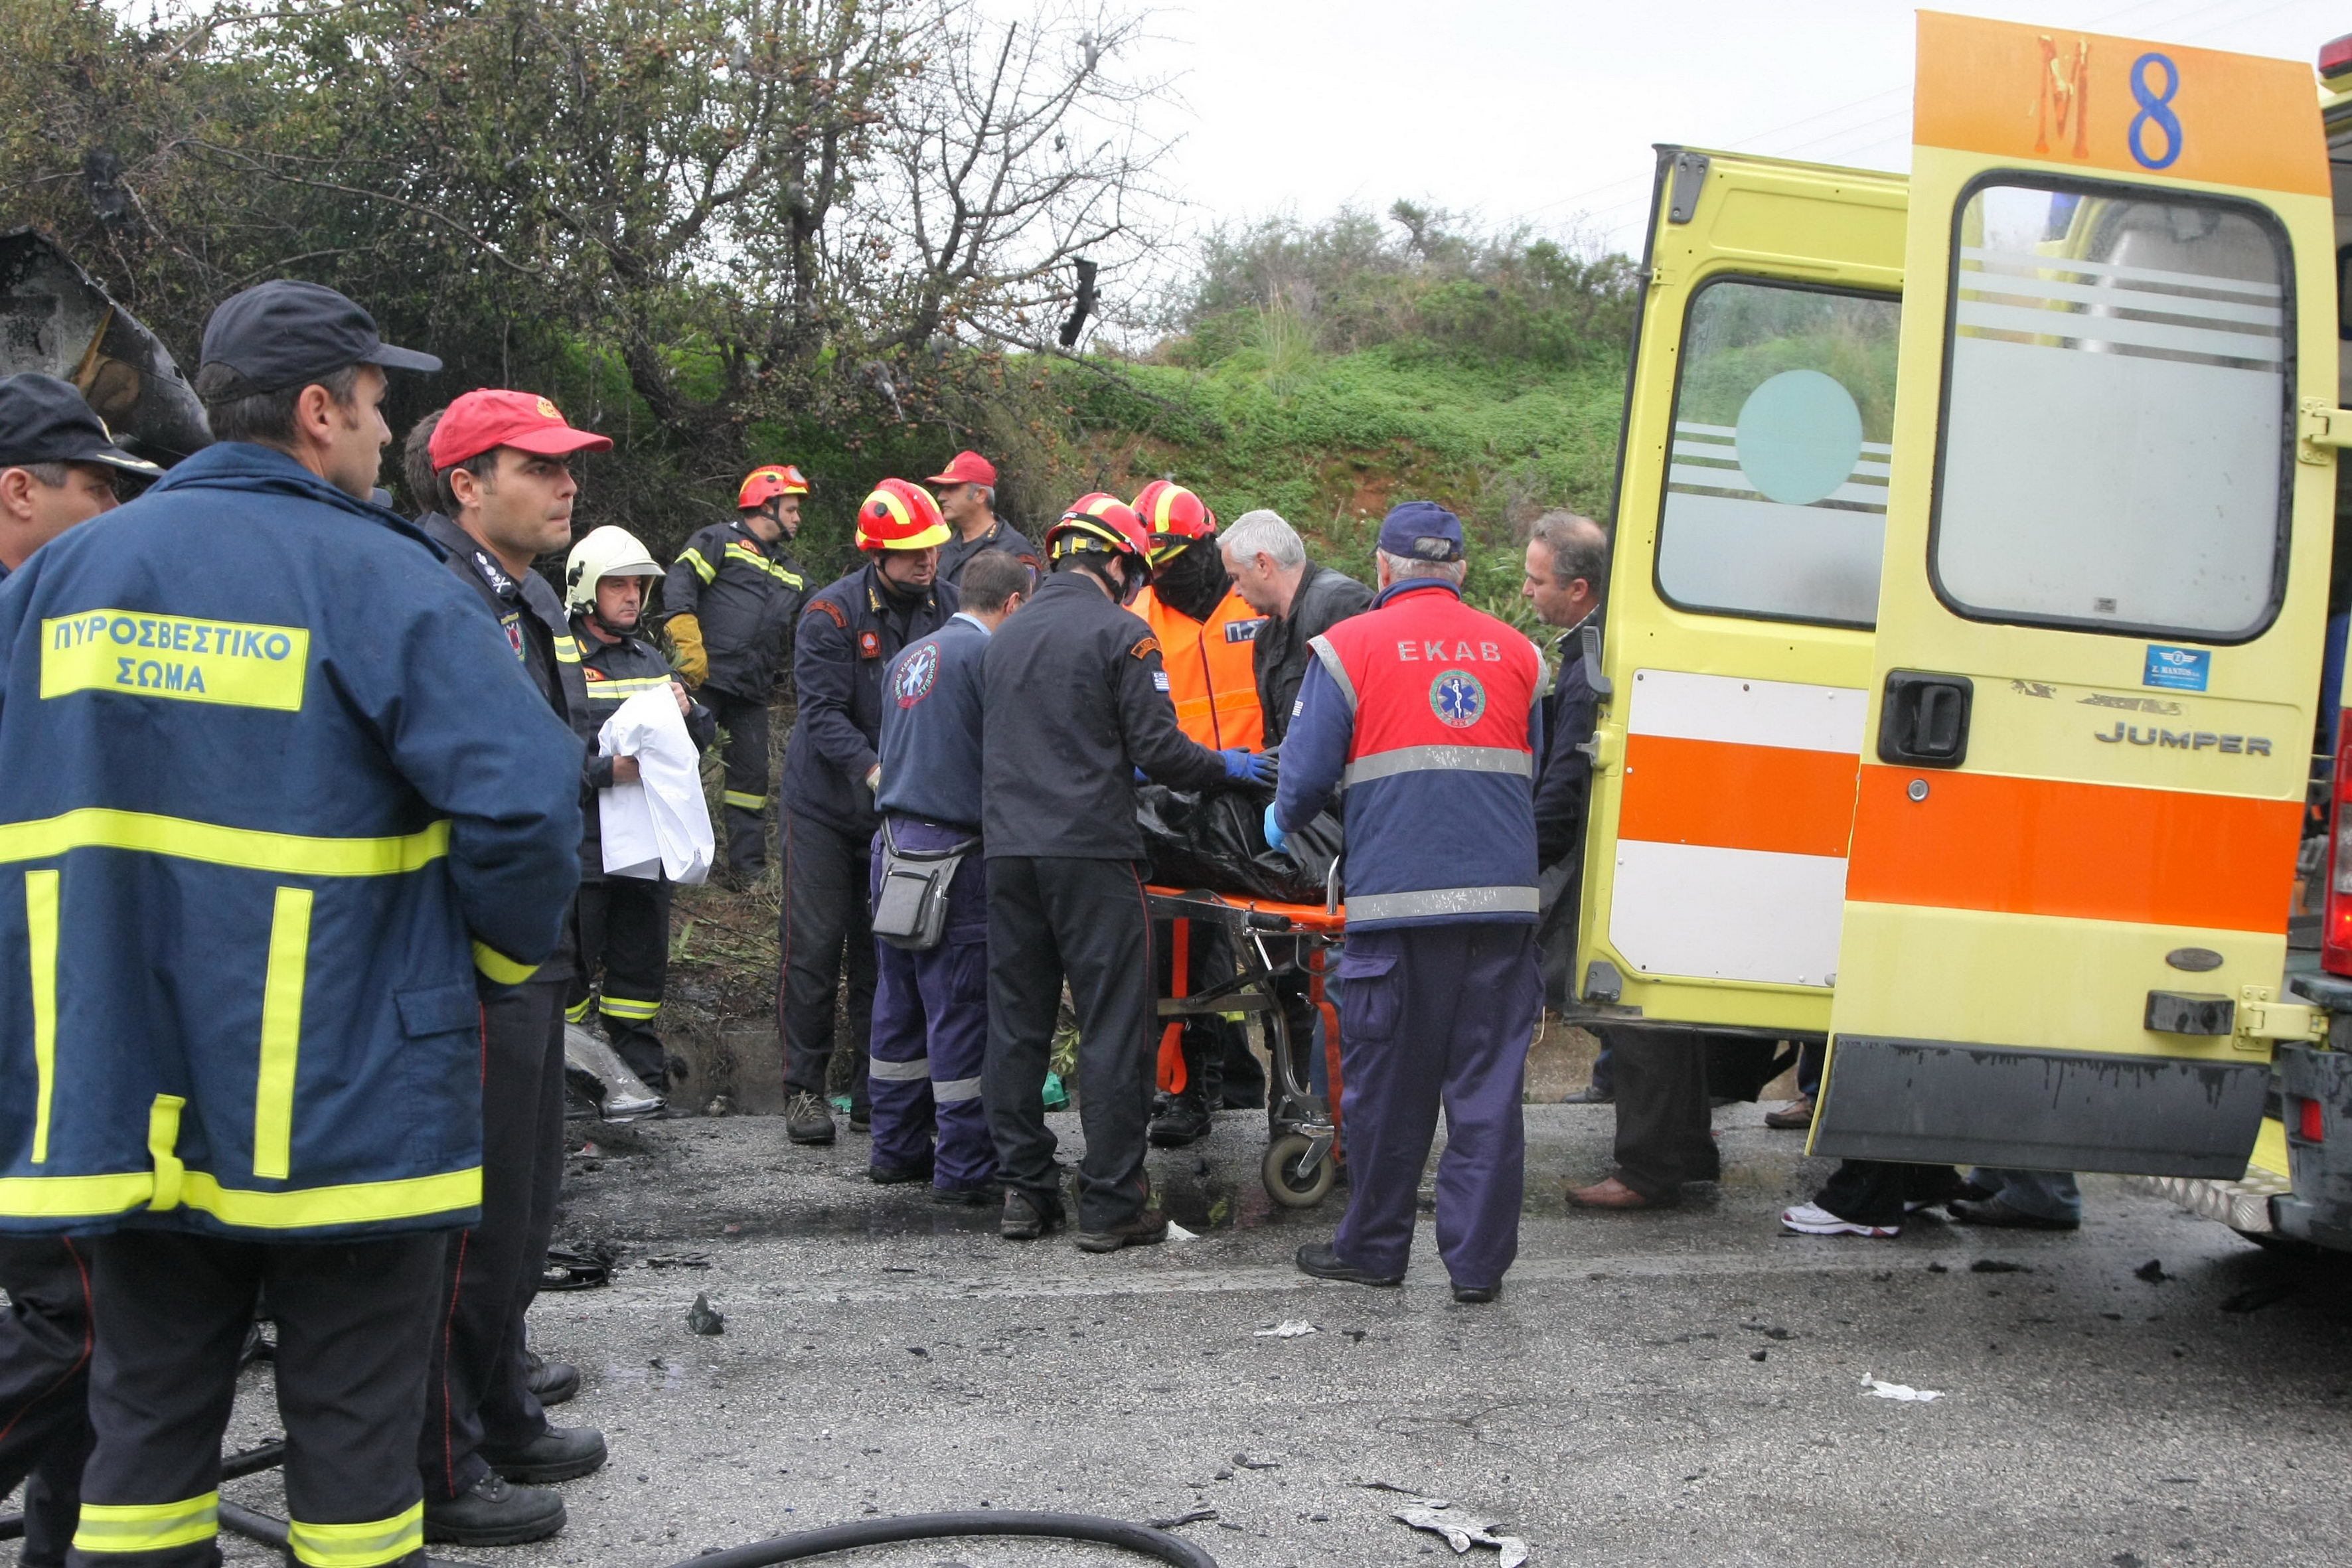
1811,1219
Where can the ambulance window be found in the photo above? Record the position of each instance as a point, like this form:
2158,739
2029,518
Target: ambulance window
2114,427
1776,493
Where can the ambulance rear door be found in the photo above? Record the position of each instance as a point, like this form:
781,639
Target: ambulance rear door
1751,499
2099,624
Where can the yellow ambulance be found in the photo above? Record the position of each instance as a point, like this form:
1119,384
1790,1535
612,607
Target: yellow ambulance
1963,645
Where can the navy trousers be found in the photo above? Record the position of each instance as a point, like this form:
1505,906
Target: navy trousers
44,1348
930,1029
354,1321
746,798
477,1392
1437,1015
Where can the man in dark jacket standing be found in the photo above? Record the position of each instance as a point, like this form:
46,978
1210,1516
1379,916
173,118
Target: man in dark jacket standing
58,464
931,1005
502,472
1300,600
1074,702
847,637
318,750
731,596
620,924
1567,571
966,492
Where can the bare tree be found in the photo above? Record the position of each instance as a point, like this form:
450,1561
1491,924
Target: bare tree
1027,154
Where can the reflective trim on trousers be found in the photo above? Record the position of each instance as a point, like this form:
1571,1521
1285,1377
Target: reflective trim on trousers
744,800
916,1071
629,1007
147,1527
1437,759
363,1545
949,1091
1442,901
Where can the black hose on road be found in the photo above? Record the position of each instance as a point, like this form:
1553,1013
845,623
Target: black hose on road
1128,1536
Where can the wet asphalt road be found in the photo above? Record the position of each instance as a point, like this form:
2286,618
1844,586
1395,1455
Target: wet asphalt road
1679,1388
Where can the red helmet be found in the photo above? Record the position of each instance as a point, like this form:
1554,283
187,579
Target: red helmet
764,485
1175,516
1099,525
900,516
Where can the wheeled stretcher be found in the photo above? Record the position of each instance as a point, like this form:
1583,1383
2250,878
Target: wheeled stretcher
1302,1152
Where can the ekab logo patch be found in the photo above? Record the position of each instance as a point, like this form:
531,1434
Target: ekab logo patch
916,673
1457,699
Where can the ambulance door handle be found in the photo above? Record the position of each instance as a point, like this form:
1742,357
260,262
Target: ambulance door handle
1923,721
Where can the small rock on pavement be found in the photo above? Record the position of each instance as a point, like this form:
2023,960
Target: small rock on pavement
703,1318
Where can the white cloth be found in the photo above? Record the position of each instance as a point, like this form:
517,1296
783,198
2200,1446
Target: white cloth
660,824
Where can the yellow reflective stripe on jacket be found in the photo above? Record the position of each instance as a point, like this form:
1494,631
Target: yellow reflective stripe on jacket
500,967
358,1202
162,1139
748,802
578,1011
567,651
357,1545
247,848
750,557
628,1008
621,690
41,939
147,1526
281,1034
702,569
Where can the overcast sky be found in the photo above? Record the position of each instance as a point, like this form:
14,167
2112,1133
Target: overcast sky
1545,110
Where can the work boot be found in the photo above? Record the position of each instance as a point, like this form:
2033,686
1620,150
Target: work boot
1794,1117
1185,1120
883,1174
1028,1215
1145,1229
1323,1261
558,1454
808,1118
979,1195
494,1512
551,1381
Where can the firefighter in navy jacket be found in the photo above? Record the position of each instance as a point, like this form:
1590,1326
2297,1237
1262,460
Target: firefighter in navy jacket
269,801
1423,711
848,637
622,923
731,595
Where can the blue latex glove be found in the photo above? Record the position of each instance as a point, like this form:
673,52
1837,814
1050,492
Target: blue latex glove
1274,835
1245,767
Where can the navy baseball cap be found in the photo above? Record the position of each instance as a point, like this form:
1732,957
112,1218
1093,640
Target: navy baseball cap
1422,530
283,333
45,420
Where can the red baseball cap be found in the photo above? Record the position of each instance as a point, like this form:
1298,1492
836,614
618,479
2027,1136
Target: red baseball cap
969,468
492,418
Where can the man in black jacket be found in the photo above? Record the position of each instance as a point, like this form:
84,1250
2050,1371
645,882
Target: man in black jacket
1073,702
848,637
1567,571
499,463
621,923
1300,599
731,596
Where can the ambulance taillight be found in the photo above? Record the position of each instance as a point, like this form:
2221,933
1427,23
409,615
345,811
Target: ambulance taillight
2336,928
2311,1121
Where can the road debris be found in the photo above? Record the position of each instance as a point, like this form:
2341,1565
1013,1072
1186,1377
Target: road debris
1198,1516
1461,1530
1902,1391
1246,1463
1997,1266
1288,1329
678,1260
704,1318
2152,1271
1178,1233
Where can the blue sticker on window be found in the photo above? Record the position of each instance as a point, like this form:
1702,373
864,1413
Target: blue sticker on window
2178,669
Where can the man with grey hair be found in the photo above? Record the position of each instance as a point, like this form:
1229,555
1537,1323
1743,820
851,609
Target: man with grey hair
1567,569
1302,601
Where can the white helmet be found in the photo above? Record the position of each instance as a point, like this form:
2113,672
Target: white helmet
606,551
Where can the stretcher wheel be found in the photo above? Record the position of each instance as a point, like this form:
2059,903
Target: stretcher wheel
1290,1186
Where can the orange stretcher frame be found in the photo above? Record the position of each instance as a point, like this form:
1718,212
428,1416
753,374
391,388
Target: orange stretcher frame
1247,918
